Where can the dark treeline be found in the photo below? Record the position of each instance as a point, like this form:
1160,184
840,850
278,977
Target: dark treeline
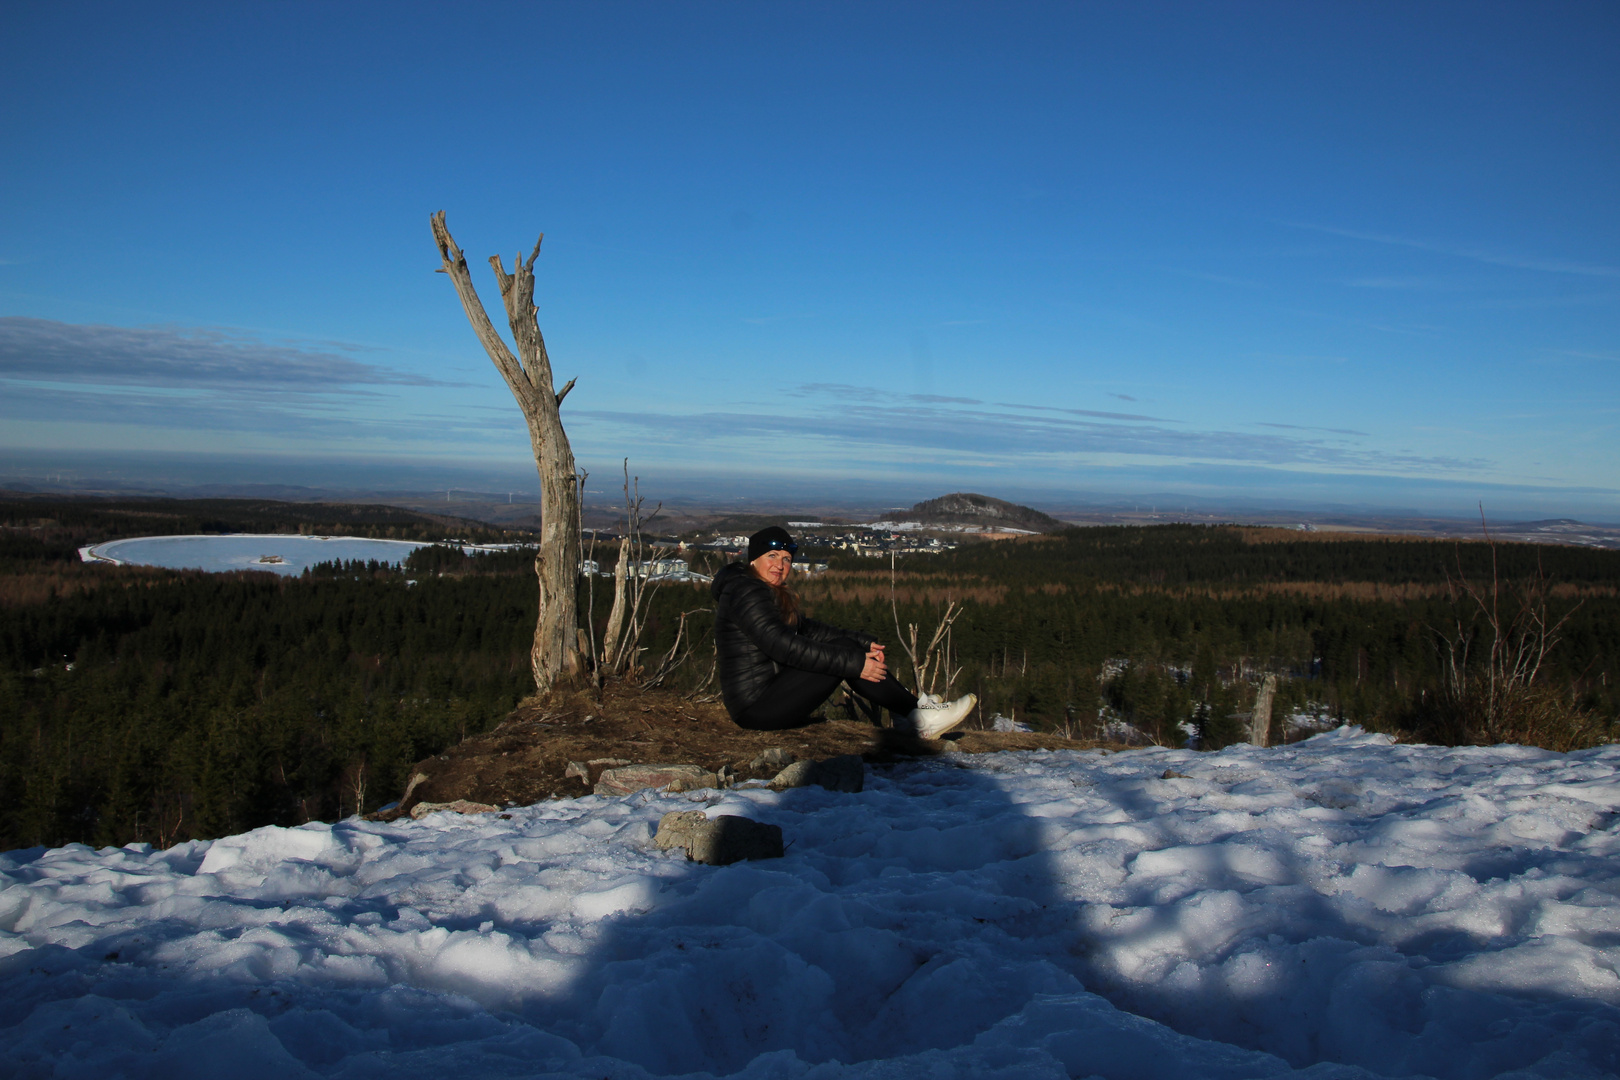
1230,555
87,521
162,705
159,706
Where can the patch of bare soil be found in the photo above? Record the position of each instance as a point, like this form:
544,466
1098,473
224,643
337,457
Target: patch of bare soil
524,760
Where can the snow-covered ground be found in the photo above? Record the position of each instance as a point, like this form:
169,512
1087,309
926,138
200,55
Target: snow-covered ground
1343,907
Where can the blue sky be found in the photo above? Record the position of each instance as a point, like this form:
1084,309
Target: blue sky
1313,253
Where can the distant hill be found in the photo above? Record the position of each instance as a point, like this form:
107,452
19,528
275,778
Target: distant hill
964,508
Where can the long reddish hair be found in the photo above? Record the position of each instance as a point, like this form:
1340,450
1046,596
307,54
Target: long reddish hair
787,602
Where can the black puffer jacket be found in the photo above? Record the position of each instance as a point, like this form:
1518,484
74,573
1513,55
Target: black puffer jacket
753,642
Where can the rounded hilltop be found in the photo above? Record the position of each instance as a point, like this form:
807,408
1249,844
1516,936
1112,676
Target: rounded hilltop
966,508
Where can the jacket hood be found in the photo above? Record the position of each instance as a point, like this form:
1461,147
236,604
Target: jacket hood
727,576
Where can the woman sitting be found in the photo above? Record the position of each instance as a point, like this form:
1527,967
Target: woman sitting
777,666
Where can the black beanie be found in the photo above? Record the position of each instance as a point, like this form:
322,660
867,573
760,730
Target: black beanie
771,538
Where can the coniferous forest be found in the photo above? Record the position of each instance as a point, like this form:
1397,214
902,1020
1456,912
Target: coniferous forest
141,704
1174,624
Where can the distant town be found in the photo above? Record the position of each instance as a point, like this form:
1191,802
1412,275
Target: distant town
874,540
879,539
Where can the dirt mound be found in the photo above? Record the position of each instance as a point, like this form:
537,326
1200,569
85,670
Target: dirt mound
526,758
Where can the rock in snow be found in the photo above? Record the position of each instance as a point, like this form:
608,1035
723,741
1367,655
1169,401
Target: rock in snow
629,779
456,806
1340,908
718,841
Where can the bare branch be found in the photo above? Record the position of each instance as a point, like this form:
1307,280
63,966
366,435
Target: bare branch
675,657
455,264
564,391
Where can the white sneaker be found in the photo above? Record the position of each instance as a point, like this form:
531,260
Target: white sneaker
933,718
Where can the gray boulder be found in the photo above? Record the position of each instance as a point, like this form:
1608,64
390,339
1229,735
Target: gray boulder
718,841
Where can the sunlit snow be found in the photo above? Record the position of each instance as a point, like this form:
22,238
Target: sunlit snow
1341,908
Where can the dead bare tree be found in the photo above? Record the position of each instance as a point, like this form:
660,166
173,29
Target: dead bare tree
1514,627
555,655
621,578
632,586
1260,716
931,661
354,778
169,812
588,567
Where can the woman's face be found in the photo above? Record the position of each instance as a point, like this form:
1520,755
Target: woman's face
774,566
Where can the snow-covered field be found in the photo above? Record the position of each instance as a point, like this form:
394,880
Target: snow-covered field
1342,907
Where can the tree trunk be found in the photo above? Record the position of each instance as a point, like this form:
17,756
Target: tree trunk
555,655
615,623
1260,719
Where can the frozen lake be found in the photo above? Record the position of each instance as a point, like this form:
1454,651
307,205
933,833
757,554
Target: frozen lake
278,553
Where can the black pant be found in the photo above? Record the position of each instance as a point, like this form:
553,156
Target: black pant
794,694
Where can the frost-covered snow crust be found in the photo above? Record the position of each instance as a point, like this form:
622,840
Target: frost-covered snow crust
1342,908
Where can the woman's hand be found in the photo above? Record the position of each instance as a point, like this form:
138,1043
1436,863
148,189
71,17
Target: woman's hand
875,670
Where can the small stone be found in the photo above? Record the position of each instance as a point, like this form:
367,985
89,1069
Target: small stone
630,779
775,757
459,806
1171,774
847,772
718,841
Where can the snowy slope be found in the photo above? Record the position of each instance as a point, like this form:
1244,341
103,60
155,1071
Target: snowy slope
1344,908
